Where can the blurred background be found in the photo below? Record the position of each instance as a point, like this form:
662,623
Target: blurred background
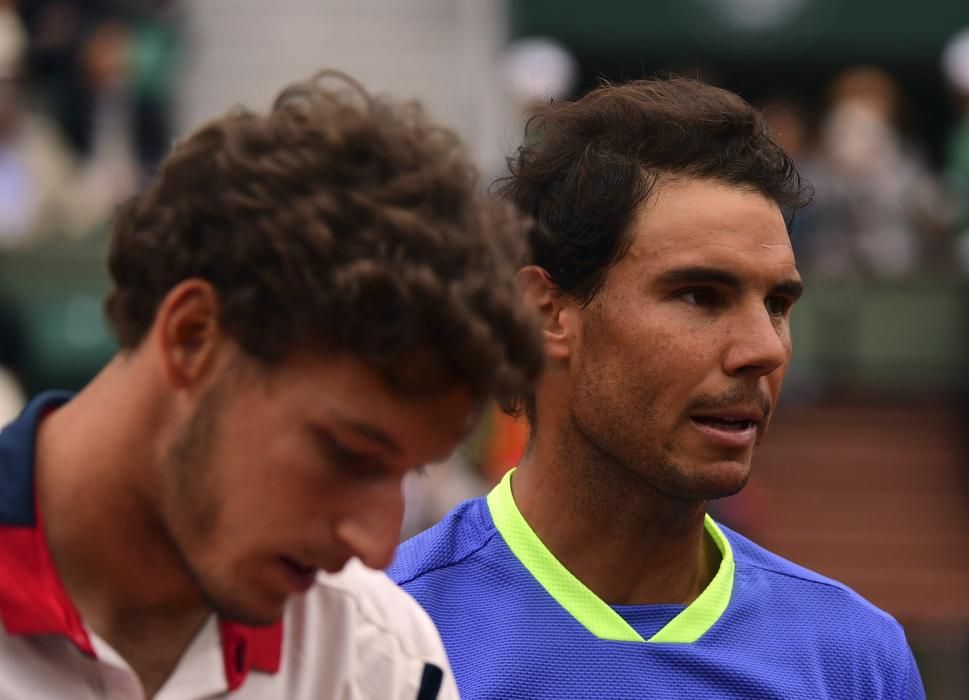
865,476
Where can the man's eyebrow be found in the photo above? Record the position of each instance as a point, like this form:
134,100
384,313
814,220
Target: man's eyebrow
792,288
370,432
698,274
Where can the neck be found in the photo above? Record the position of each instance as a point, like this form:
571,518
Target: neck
94,476
628,543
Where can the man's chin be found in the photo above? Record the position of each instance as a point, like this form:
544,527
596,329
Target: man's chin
711,481
249,613
725,480
249,618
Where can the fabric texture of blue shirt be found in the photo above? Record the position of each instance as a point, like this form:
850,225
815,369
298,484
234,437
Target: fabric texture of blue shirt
786,633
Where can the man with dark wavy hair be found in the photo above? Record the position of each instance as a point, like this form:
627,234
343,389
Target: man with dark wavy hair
309,304
662,268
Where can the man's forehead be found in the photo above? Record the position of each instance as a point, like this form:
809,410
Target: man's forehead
708,223
725,252
744,257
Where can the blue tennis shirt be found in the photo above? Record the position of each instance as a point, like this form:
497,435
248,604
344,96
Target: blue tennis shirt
517,624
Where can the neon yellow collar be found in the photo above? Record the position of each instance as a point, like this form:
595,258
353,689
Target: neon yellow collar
586,607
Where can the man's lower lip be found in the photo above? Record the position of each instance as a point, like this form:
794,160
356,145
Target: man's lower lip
300,578
726,437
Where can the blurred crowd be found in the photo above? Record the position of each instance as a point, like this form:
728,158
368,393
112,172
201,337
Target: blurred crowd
881,210
85,88
85,94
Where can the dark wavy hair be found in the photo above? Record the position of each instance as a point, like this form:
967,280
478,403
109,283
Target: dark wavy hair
337,222
587,166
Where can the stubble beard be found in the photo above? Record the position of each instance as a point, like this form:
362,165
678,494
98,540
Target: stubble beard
191,506
634,460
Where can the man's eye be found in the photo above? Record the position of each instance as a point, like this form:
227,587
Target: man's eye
341,454
778,306
700,297
352,462
336,452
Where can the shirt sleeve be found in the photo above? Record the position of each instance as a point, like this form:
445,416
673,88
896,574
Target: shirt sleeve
913,688
398,653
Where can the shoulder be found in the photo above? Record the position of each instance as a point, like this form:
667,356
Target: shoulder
753,558
373,602
810,603
371,633
462,533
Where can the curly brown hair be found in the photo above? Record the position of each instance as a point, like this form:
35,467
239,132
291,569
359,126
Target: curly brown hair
338,222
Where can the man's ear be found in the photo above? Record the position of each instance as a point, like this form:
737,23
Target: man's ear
555,308
187,333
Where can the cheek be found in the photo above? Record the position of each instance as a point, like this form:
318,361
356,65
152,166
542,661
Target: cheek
672,363
270,482
638,363
350,493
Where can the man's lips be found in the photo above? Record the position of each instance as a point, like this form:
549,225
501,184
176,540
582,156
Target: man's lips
735,426
728,417
729,433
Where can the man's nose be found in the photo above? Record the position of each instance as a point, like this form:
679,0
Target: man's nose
759,344
372,530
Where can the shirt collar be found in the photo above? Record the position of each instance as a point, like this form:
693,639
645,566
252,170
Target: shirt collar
33,600
588,609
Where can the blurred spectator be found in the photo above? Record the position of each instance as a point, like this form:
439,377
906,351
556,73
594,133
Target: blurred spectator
495,446
12,396
155,64
955,62
42,192
879,210
789,128
106,69
429,498
792,130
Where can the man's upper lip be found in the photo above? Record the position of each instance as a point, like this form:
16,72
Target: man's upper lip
736,413
328,564
301,563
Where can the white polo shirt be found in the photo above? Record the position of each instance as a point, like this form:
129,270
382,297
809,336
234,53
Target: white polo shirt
352,635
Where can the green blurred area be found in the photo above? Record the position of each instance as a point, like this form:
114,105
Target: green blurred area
764,49
881,339
57,293
886,338
773,28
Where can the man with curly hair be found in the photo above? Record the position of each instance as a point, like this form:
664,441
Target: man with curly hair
309,304
664,275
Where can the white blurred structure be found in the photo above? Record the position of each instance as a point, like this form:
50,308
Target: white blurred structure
538,69
955,61
443,52
955,66
12,399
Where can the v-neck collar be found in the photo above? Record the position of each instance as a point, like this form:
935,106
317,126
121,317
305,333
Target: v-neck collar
586,607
